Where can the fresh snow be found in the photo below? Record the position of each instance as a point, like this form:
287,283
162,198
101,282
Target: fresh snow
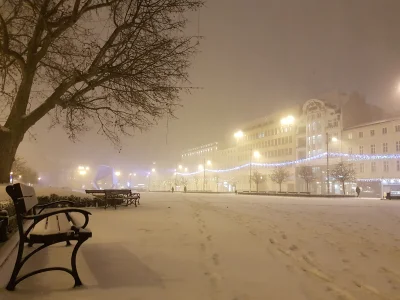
227,247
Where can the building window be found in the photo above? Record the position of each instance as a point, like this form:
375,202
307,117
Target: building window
361,134
373,166
397,128
350,136
372,132
398,165
384,130
398,146
386,166
362,168
372,149
350,150
385,147
361,149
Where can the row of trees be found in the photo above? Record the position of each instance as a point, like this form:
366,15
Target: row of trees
22,172
342,172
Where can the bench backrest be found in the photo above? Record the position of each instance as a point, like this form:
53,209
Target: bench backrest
23,196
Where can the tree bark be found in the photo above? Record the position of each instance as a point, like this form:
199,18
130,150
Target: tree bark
280,188
9,142
307,186
344,188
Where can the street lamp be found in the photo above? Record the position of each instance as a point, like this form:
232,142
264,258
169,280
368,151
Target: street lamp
117,173
238,134
11,177
333,139
203,168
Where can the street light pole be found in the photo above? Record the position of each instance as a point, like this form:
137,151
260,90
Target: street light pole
251,156
327,163
204,174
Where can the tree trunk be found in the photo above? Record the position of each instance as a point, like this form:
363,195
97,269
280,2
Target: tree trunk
307,186
280,187
344,188
9,142
257,186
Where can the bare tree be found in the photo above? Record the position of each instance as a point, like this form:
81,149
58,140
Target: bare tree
22,172
184,181
344,172
307,174
119,65
258,178
279,175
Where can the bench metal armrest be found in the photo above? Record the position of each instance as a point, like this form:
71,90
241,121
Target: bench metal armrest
43,206
38,218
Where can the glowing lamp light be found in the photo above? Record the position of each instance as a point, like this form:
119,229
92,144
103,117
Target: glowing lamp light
134,174
82,172
238,134
87,168
153,170
118,173
180,167
256,154
201,168
334,139
39,178
208,162
289,120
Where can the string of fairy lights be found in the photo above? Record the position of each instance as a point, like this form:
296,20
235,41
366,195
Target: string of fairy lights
349,157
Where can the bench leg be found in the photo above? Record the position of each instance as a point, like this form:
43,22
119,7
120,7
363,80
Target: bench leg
78,281
17,267
68,244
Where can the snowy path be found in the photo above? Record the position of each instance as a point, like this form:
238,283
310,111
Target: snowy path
232,247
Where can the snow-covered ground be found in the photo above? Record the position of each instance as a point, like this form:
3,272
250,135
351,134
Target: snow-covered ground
177,246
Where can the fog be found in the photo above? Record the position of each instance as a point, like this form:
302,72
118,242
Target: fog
255,56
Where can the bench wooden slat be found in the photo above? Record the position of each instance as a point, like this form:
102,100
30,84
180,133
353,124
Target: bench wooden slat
39,228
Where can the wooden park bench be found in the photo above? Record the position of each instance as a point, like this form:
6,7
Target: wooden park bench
113,197
47,227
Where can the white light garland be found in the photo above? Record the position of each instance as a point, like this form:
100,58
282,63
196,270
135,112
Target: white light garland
350,157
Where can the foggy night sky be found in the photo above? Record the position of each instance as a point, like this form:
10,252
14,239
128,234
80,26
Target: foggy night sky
256,56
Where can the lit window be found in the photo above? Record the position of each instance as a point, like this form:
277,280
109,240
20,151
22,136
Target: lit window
350,136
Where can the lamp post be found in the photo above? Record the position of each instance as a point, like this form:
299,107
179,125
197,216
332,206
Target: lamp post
334,139
256,155
203,167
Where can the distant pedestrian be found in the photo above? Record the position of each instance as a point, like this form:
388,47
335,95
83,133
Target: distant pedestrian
172,189
358,191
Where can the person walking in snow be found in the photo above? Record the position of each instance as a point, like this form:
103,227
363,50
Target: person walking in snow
172,189
358,190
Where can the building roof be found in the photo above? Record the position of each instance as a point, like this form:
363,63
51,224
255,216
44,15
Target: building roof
373,123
